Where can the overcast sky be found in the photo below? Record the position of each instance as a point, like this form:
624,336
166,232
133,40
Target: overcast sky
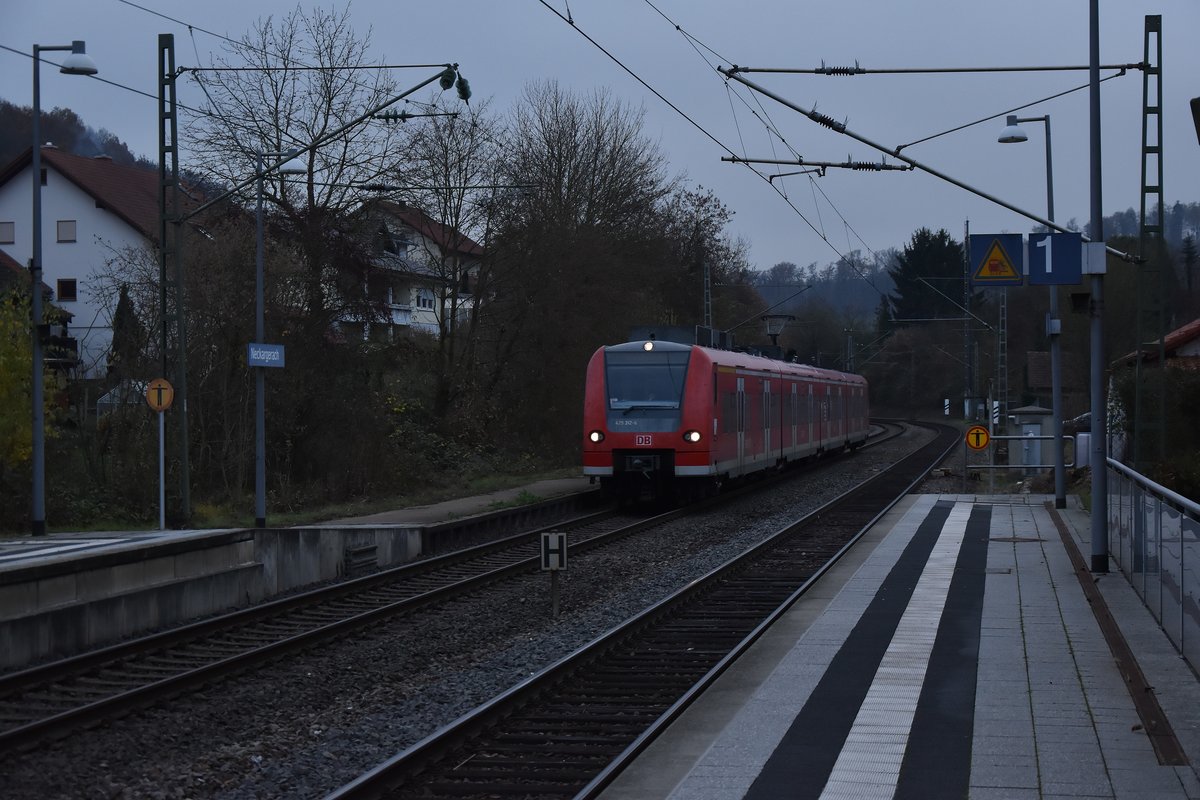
501,45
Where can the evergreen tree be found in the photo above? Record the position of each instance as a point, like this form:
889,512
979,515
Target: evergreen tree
129,339
928,275
1188,258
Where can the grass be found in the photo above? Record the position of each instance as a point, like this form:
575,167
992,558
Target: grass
523,499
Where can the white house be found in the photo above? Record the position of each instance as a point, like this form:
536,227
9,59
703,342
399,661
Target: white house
91,209
423,271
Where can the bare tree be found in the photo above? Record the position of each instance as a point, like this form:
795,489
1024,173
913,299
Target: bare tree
574,252
450,174
287,84
695,242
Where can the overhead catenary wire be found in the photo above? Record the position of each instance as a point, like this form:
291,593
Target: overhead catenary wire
327,137
182,70
857,70
242,44
764,119
1013,110
839,127
700,128
768,124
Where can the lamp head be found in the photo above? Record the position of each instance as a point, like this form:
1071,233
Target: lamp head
79,62
1012,132
293,166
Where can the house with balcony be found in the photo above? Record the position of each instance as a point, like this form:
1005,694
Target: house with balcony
92,209
60,349
422,272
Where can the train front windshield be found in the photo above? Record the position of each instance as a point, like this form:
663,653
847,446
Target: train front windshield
644,381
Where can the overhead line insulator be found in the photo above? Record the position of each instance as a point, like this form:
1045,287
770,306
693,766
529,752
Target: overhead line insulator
828,122
855,70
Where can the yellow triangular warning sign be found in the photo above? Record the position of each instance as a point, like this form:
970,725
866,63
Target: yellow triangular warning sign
996,265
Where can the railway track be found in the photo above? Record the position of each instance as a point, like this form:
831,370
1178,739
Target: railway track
52,700
569,730
56,699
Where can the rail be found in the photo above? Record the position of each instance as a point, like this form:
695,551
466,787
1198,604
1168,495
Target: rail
1154,536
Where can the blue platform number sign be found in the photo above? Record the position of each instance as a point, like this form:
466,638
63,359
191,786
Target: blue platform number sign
1055,258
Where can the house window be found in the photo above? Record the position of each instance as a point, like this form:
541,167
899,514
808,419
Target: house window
66,230
396,243
8,232
424,298
68,290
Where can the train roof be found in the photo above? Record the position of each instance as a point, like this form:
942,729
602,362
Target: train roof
734,358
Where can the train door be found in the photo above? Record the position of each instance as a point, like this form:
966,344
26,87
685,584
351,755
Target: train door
741,425
812,442
793,412
826,429
766,412
841,412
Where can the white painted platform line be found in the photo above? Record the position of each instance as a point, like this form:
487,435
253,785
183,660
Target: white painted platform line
869,764
55,549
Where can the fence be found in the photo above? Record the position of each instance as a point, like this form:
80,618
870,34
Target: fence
1154,536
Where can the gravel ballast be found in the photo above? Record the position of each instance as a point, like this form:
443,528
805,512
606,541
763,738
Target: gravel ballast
306,725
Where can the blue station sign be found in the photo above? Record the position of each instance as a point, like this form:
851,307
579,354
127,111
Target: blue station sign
265,355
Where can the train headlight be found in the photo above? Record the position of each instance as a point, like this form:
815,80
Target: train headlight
691,436
596,436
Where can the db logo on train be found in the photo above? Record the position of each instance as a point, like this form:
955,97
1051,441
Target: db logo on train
643,440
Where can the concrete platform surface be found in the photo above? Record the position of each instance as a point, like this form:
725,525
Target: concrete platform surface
460,507
952,654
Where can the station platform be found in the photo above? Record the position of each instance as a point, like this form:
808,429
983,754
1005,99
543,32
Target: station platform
957,651
66,545
67,592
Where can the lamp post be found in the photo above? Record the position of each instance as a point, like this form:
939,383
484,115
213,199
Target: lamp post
78,63
1014,133
291,167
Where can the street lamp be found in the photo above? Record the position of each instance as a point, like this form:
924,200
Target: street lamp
293,166
77,63
1013,132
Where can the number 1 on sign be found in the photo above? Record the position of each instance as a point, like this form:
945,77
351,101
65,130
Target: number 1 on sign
1047,243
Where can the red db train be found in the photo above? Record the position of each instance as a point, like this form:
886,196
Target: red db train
664,419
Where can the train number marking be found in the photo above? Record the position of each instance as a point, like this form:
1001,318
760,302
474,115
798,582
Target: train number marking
643,440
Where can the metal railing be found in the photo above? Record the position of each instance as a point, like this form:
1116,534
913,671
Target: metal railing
1154,536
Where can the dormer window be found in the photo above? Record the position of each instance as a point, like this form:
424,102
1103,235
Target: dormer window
394,242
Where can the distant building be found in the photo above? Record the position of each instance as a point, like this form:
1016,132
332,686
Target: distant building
420,271
1181,347
92,208
61,350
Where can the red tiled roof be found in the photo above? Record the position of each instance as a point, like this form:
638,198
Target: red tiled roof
444,237
11,272
1181,336
129,192
1173,341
